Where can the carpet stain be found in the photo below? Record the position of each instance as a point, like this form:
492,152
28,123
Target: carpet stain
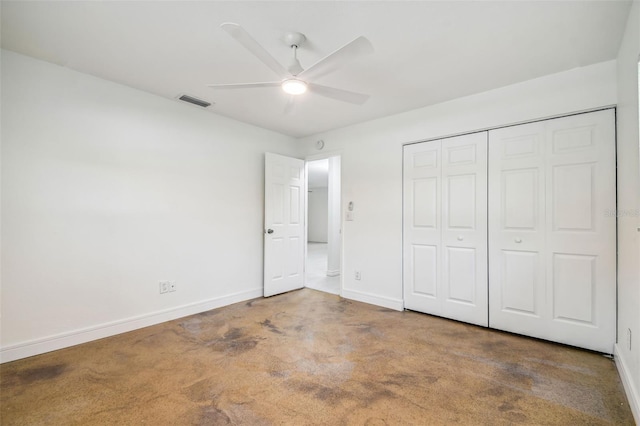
233,334
32,375
402,379
364,328
506,406
213,416
496,391
320,392
377,394
234,342
517,374
272,328
201,391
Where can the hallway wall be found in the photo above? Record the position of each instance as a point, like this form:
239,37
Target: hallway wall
318,215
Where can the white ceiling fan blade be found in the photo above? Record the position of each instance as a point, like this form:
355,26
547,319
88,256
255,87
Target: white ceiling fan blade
243,37
338,94
359,46
245,85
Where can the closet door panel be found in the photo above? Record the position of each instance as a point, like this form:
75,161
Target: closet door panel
581,239
520,288
424,274
462,267
517,294
421,230
464,228
520,195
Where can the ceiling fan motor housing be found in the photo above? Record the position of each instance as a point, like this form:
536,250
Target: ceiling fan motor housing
294,39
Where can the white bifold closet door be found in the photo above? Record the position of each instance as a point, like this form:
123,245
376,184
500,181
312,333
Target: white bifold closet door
552,245
445,228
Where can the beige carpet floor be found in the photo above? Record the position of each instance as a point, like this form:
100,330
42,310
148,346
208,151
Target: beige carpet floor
308,357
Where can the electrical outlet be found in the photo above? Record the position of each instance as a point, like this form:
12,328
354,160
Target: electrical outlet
358,276
172,286
164,287
629,338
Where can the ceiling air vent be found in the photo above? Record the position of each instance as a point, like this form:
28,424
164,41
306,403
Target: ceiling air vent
194,101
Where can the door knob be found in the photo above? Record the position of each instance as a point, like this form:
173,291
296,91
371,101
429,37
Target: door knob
518,240
460,238
269,231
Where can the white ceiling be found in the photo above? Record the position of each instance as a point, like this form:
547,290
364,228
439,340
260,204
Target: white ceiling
426,52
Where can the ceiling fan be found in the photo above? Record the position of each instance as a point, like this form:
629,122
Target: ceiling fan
296,80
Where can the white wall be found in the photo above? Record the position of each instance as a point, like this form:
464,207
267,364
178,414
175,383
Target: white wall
628,361
105,191
318,215
372,164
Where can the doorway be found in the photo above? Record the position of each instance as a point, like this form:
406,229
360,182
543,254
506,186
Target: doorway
322,271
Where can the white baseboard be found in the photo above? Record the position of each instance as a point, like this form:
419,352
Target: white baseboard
84,335
372,299
333,272
633,394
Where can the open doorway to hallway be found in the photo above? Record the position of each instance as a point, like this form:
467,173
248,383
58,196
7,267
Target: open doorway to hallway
322,270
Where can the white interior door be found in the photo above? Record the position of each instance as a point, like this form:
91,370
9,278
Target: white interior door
283,224
552,247
445,228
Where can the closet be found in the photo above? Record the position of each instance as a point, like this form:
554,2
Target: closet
515,229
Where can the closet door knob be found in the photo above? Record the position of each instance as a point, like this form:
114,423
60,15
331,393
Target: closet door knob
460,238
518,240
269,231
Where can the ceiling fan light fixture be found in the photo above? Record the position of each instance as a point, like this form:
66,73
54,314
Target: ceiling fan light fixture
294,86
